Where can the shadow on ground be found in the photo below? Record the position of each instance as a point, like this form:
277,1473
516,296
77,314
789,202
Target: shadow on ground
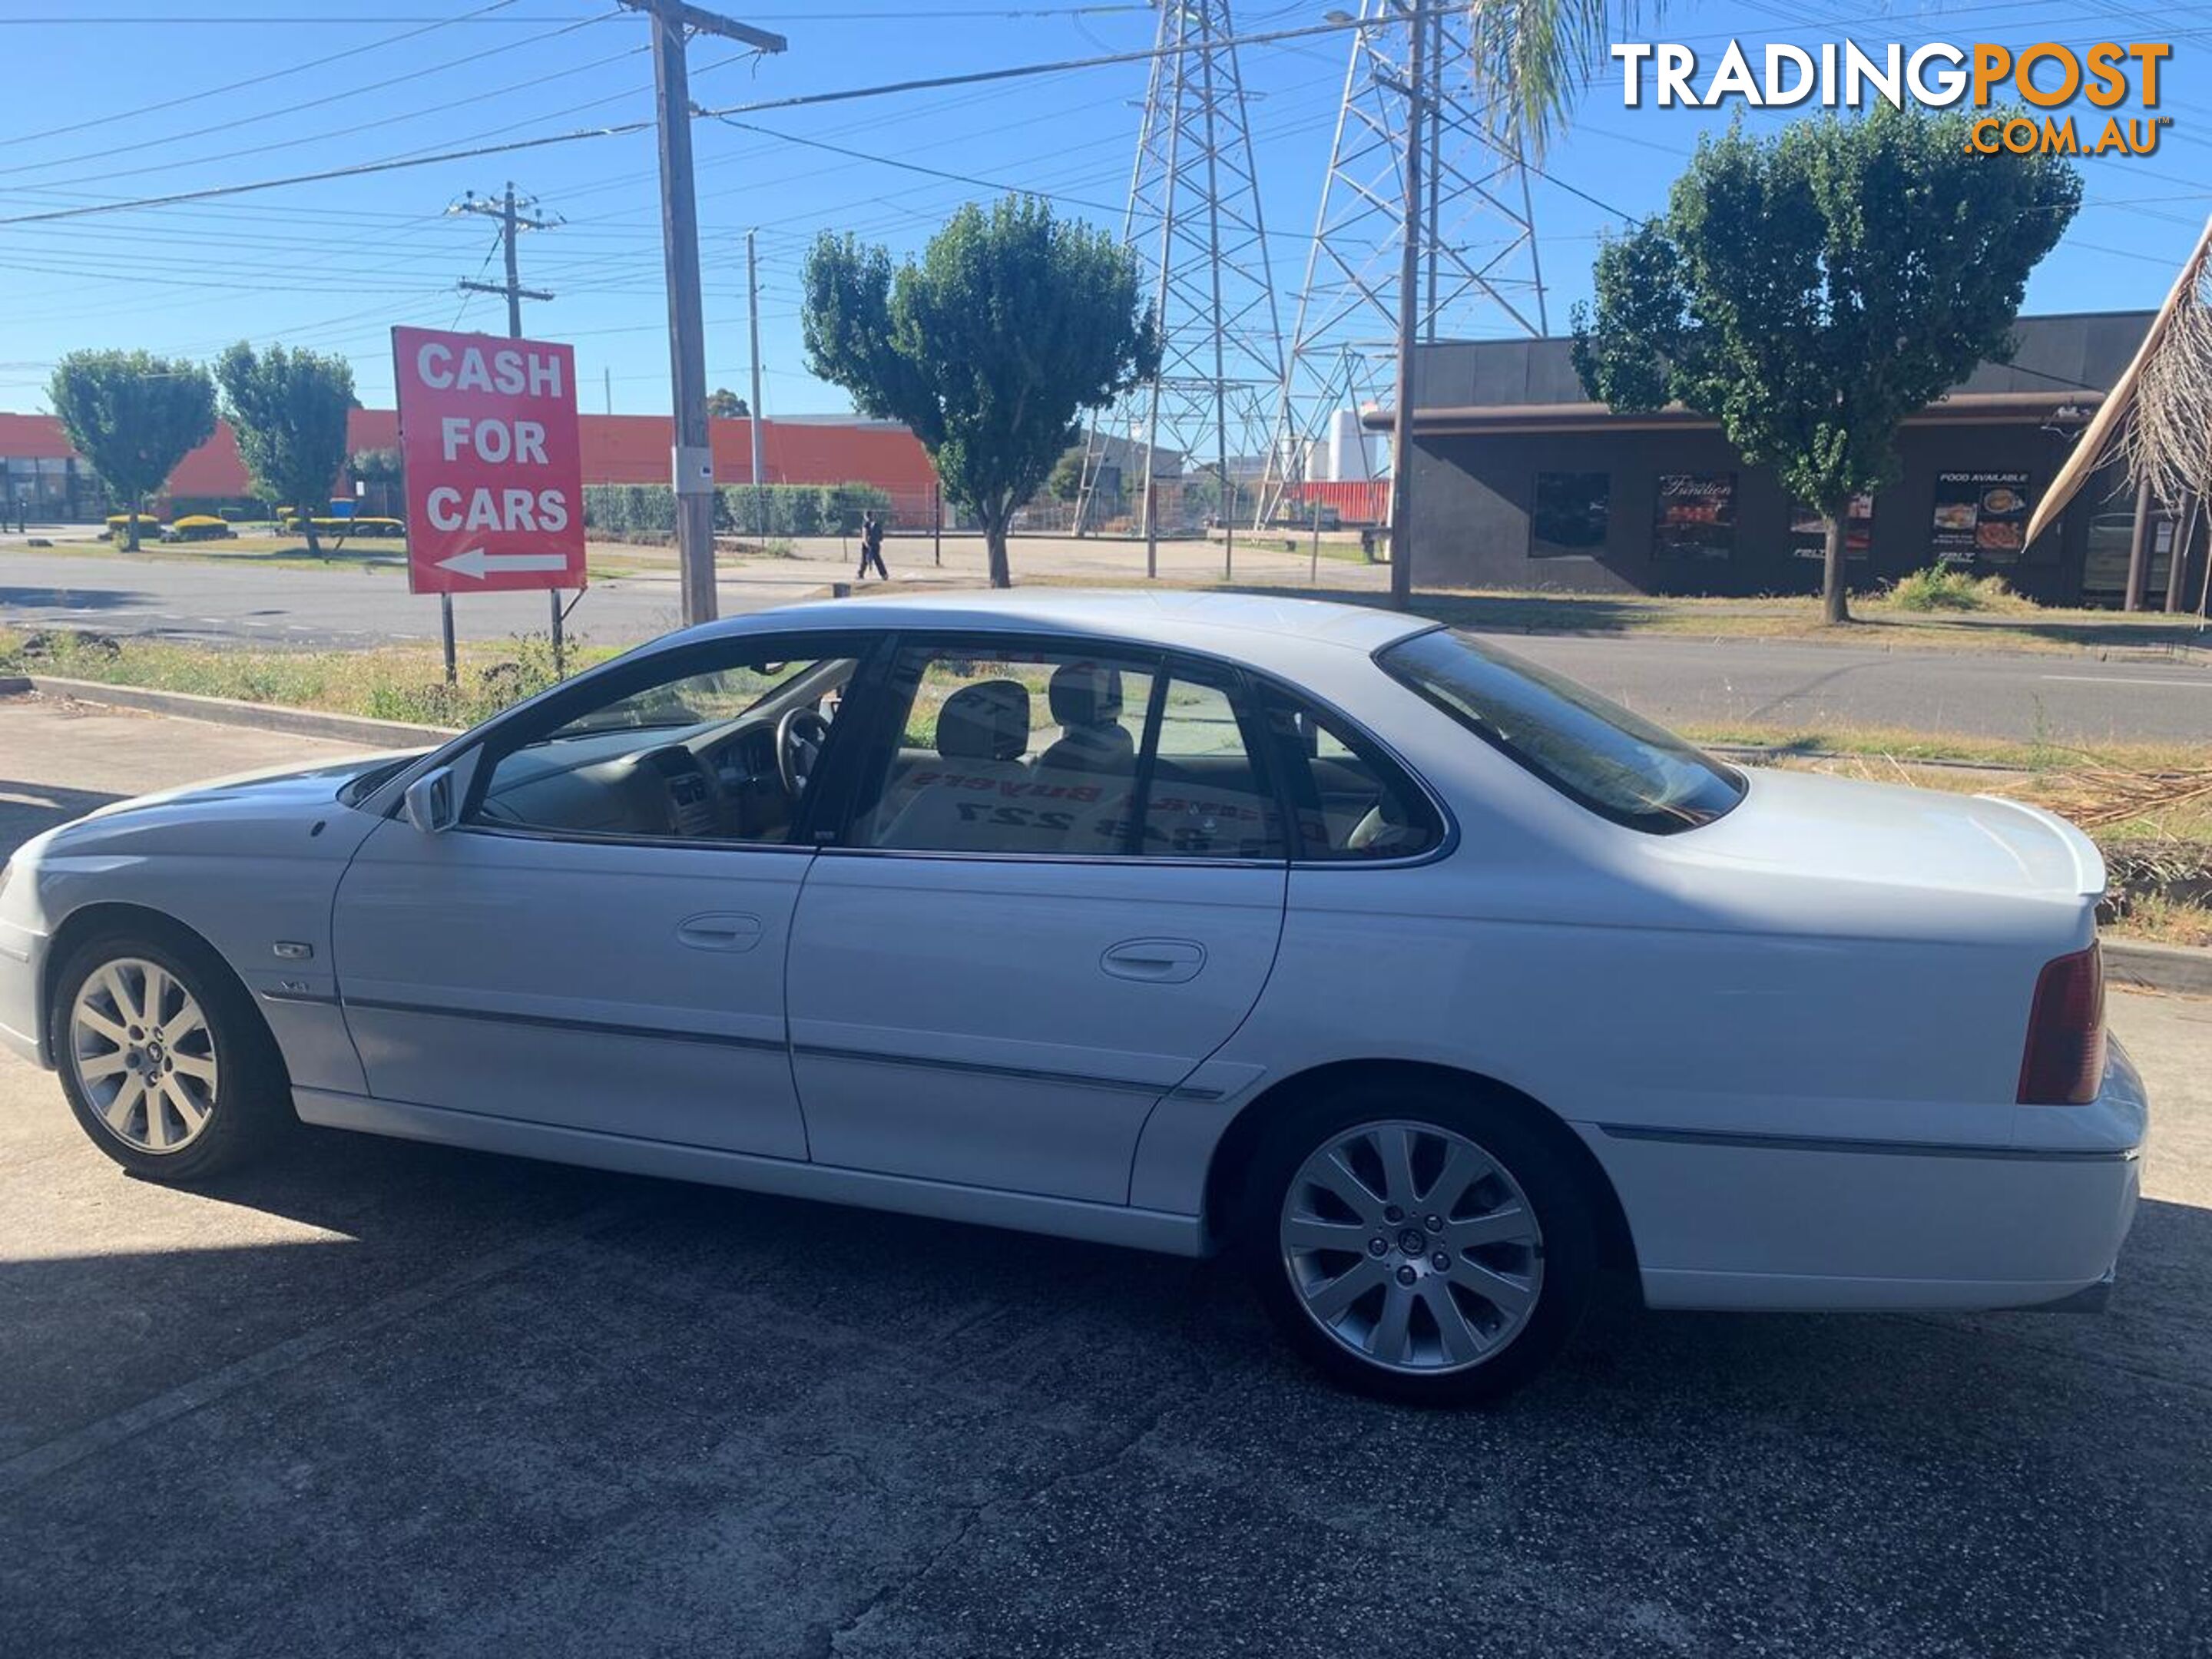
28,808
494,1406
78,598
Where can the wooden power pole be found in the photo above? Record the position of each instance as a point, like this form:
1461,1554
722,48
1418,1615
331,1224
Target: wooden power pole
673,23
511,218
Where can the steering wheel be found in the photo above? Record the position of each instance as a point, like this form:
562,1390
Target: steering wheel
800,736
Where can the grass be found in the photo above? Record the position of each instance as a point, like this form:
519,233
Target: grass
1947,588
2164,921
262,551
393,683
1878,621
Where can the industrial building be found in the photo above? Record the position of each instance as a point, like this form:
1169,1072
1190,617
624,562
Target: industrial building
1522,481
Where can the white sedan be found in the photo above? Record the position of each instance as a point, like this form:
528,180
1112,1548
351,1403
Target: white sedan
1428,982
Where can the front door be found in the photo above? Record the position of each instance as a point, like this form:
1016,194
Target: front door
1058,891
599,944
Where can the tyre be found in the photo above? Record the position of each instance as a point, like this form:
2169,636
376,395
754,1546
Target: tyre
1419,1243
166,1062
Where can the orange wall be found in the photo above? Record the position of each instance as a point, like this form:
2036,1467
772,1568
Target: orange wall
617,449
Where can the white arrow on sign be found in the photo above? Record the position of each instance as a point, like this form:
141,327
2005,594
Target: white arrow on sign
479,564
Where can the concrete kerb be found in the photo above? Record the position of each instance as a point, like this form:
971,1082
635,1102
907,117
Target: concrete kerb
2176,970
228,711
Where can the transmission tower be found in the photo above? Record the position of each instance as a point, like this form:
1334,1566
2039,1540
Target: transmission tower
1195,223
1477,271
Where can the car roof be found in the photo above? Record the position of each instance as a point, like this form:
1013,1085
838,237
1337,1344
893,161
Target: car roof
1228,624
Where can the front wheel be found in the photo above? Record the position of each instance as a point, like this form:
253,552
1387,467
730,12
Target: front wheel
166,1062
1418,1245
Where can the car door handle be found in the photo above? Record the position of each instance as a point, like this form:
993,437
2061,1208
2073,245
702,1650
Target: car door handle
1159,961
718,931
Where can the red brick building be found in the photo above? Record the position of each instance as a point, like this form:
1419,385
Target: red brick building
39,469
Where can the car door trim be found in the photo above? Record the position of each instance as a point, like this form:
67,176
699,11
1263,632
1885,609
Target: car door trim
1876,1148
554,1022
1017,1073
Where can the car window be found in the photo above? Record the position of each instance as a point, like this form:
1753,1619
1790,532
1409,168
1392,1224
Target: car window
1029,752
723,751
1009,751
1205,797
1352,802
1617,764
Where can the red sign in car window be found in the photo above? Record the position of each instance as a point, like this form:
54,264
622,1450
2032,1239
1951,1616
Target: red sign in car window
495,469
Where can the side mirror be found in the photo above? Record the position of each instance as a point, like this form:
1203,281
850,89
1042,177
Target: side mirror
429,803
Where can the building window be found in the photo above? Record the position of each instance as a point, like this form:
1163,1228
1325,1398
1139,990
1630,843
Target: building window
1808,530
1569,520
1980,515
1695,517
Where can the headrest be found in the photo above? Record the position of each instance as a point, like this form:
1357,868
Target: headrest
990,721
1083,694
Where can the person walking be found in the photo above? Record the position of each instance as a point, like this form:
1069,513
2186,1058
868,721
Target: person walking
872,547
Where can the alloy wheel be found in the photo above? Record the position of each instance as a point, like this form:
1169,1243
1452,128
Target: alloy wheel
1412,1246
143,1054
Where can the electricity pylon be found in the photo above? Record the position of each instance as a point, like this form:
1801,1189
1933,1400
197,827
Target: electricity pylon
1477,265
1195,223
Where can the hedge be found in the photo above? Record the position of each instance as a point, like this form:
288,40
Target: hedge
617,510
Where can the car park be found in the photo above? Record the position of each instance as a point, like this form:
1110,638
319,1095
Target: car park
1429,983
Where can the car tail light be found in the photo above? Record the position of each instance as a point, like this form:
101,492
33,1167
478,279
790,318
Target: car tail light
2064,1062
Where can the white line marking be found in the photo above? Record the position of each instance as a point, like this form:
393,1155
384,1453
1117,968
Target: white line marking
2116,679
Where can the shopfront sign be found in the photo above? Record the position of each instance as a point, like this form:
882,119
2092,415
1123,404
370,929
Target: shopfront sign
1980,515
1695,517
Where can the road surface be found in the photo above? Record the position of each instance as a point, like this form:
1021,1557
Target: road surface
2021,696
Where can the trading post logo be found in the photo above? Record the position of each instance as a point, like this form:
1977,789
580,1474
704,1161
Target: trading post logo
1936,76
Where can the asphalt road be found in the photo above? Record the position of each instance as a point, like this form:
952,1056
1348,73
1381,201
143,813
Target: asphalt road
379,1398
2022,696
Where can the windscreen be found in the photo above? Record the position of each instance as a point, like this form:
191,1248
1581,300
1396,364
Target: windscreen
1587,748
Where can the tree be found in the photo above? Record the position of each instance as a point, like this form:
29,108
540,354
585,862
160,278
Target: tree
289,411
1535,58
1066,482
1811,290
724,404
134,417
1010,324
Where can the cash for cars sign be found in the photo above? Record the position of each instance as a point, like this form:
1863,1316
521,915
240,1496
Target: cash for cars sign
494,468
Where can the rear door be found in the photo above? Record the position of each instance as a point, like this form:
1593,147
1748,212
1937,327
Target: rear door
1059,891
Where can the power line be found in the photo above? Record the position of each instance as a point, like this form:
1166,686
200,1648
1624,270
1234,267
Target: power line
912,167
1044,14
201,94
362,170
316,103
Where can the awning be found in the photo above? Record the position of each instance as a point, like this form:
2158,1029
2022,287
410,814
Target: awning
2028,408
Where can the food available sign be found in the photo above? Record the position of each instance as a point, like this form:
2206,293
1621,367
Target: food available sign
494,468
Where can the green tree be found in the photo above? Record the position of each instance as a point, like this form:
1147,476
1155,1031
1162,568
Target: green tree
724,404
1534,56
1010,325
1811,290
1066,482
134,417
289,411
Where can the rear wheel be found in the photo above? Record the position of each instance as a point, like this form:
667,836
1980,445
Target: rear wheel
166,1062
1418,1244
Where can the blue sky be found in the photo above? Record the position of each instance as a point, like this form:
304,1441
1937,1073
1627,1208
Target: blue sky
334,265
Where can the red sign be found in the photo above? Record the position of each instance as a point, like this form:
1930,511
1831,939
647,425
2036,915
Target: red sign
494,468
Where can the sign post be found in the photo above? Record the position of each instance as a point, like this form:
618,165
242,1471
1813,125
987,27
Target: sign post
488,436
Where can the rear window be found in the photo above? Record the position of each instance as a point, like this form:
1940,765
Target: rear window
1587,748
